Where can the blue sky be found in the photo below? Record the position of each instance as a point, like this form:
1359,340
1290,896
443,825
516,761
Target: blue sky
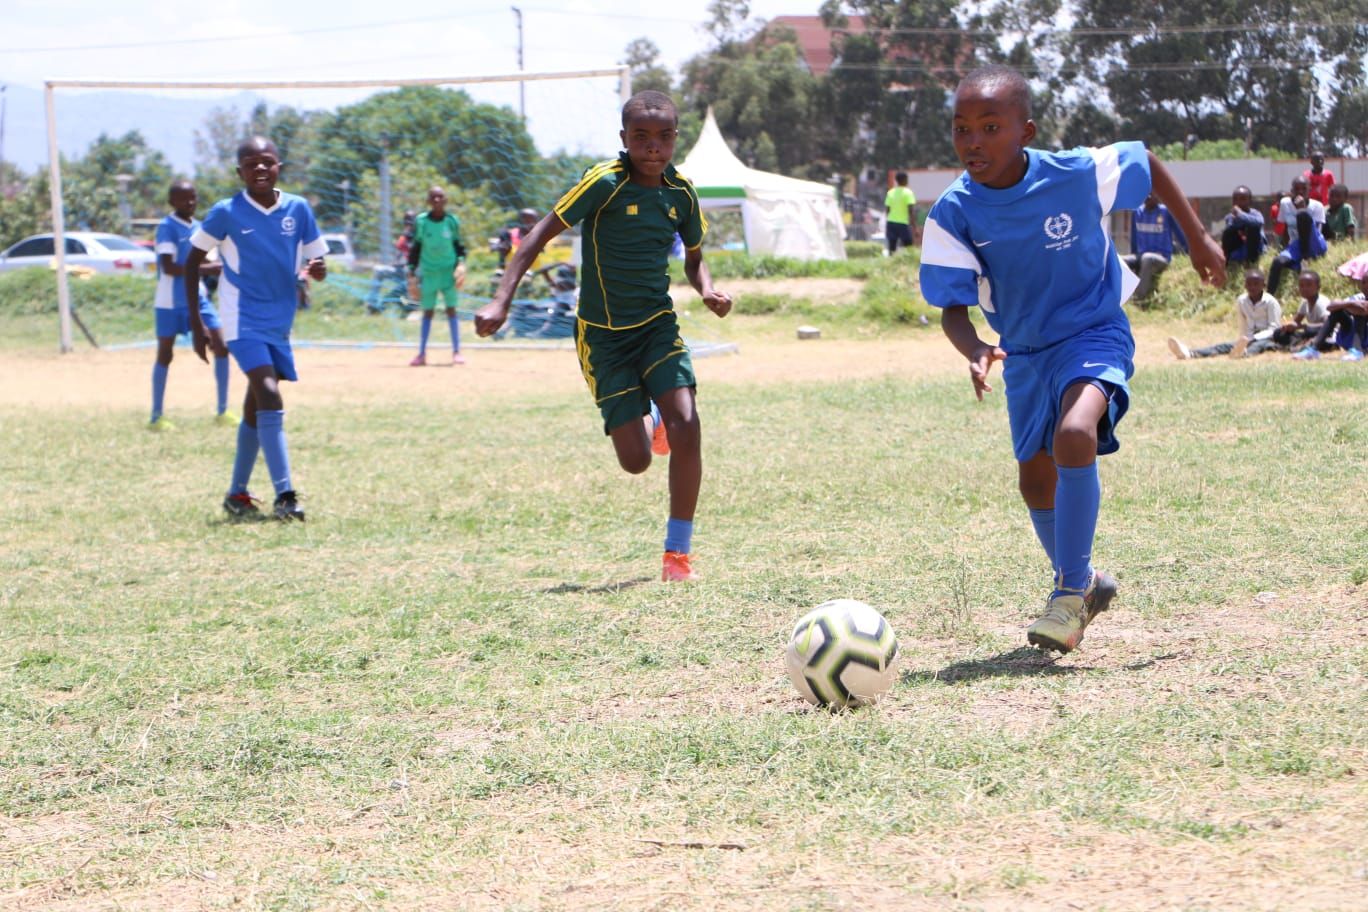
162,39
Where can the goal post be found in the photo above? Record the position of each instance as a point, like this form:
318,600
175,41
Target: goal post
51,87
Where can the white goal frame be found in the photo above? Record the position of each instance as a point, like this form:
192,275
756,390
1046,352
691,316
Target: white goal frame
54,158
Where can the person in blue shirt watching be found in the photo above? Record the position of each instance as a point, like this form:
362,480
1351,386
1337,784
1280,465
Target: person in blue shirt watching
1154,234
1243,237
1020,235
169,305
263,237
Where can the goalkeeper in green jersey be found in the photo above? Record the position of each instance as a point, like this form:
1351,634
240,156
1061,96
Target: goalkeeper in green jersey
436,268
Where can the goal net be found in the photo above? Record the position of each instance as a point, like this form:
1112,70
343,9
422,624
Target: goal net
364,154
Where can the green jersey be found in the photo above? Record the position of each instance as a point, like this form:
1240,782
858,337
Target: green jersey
626,240
435,243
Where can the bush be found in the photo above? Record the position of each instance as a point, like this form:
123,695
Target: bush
34,291
863,250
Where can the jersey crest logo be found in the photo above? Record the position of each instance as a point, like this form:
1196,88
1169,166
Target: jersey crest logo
287,225
674,216
1058,227
631,208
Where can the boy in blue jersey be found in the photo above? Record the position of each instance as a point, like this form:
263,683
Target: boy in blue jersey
632,357
263,236
172,317
1154,234
1020,235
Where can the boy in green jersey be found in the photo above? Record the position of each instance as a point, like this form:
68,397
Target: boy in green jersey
434,261
630,351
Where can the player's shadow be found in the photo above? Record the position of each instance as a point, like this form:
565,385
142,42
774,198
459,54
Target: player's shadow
620,586
1024,661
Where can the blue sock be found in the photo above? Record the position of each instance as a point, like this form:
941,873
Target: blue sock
423,336
655,418
1078,495
221,379
159,372
271,428
454,322
1044,522
248,444
678,535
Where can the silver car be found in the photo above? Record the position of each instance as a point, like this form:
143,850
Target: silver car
106,253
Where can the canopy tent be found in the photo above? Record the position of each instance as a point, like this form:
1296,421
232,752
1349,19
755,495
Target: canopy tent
781,215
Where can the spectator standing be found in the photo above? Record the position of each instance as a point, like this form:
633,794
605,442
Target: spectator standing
1319,179
899,204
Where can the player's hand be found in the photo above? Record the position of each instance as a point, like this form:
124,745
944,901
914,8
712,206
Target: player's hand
199,342
980,363
489,318
719,302
414,292
210,268
318,269
460,275
1209,261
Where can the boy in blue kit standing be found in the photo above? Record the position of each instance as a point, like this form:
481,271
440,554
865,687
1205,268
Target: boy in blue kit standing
635,363
1020,235
263,236
172,317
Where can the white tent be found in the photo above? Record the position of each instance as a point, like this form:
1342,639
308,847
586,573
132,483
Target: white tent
782,215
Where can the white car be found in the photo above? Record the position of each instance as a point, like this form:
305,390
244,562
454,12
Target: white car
340,252
106,253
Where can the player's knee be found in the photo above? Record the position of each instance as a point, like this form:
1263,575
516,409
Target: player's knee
683,433
634,463
1075,439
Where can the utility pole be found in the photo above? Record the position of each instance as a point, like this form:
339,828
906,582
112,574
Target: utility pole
522,86
2,127
386,212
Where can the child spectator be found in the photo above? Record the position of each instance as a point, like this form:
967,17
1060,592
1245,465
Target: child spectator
1311,314
1154,233
1243,238
1340,224
263,235
434,262
1020,235
633,359
1319,179
1305,221
172,317
1347,322
1260,315
899,203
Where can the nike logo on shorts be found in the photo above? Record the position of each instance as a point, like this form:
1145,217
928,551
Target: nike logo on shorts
983,244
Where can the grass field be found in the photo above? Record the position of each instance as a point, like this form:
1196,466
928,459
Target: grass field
458,686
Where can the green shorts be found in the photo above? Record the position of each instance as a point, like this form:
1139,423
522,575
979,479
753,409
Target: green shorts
627,368
438,283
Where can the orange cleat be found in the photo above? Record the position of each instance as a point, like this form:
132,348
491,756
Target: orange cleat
675,568
660,444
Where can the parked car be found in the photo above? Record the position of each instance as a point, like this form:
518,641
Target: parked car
107,253
340,253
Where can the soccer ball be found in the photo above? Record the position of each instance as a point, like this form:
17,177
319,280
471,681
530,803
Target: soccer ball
842,654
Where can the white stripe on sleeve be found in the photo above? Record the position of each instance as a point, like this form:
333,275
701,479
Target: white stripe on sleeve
315,248
941,248
1107,161
166,247
203,240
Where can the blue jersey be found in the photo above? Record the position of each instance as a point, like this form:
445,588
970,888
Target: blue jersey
262,251
1035,256
1155,231
173,237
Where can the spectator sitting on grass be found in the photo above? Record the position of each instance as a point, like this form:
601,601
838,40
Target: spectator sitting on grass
1153,236
1339,215
1243,238
1260,316
1305,220
1311,314
1348,317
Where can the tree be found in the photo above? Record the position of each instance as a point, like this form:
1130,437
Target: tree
642,57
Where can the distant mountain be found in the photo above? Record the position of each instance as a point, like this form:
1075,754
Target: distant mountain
166,121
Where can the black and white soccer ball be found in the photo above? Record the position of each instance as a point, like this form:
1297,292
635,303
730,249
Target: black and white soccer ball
842,654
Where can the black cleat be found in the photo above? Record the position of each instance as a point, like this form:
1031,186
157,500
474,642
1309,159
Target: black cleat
287,507
241,506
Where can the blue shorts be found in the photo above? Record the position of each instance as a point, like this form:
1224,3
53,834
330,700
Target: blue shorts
253,353
175,321
1036,381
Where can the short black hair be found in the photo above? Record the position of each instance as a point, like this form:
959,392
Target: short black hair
995,77
256,144
649,100
181,184
1310,274
1254,273
1340,188
901,177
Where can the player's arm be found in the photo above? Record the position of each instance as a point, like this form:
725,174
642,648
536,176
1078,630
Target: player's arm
719,302
489,318
167,264
198,339
959,329
1207,257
